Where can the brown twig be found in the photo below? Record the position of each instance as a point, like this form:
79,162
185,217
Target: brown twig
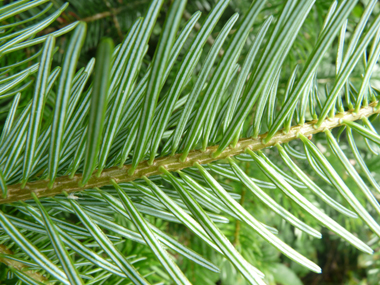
92,18
114,18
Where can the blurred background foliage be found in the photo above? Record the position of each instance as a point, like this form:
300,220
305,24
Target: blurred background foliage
341,263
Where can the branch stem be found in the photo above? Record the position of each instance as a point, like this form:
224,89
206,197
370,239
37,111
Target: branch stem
173,163
20,266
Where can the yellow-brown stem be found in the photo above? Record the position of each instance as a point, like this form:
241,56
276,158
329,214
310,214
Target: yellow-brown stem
173,163
18,265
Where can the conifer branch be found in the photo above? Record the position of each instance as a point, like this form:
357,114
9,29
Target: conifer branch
173,163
